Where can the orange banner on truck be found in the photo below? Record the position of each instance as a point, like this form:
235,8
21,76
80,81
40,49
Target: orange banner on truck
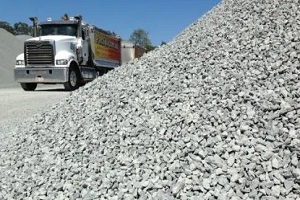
106,47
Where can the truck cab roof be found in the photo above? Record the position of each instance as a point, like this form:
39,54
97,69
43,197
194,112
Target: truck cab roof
59,22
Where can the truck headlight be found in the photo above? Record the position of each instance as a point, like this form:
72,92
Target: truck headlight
62,62
20,62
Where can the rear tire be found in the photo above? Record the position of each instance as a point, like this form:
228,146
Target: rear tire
73,79
29,86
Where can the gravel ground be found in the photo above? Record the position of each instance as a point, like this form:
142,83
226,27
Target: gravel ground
17,106
214,114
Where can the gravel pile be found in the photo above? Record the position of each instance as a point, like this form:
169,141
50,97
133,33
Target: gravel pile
212,115
10,47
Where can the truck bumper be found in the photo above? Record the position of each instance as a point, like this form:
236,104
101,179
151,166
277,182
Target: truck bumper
41,75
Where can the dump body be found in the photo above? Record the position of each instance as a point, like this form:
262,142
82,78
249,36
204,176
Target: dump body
106,48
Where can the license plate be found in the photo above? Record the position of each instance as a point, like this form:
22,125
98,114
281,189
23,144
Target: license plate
40,72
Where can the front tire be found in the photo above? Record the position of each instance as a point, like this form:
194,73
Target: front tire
73,79
29,86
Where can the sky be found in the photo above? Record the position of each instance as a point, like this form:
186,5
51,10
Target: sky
162,19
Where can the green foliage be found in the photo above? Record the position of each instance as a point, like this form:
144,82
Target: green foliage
163,43
140,37
149,47
22,28
8,27
17,29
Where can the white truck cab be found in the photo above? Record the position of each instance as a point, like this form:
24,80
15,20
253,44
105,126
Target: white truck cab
56,56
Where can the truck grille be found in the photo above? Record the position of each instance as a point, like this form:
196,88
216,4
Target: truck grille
39,53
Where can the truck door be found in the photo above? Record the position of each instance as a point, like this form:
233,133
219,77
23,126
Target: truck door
85,45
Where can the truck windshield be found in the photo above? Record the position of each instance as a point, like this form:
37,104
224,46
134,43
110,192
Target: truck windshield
59,29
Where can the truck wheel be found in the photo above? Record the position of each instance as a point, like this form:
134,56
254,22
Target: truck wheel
29,86
73,81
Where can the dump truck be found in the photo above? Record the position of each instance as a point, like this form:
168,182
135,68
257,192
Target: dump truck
71,52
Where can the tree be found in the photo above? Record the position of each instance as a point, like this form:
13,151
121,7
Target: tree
150,48
140,37
163,43
22,28
8,27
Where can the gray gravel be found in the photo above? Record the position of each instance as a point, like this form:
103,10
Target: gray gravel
214,114
18,106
